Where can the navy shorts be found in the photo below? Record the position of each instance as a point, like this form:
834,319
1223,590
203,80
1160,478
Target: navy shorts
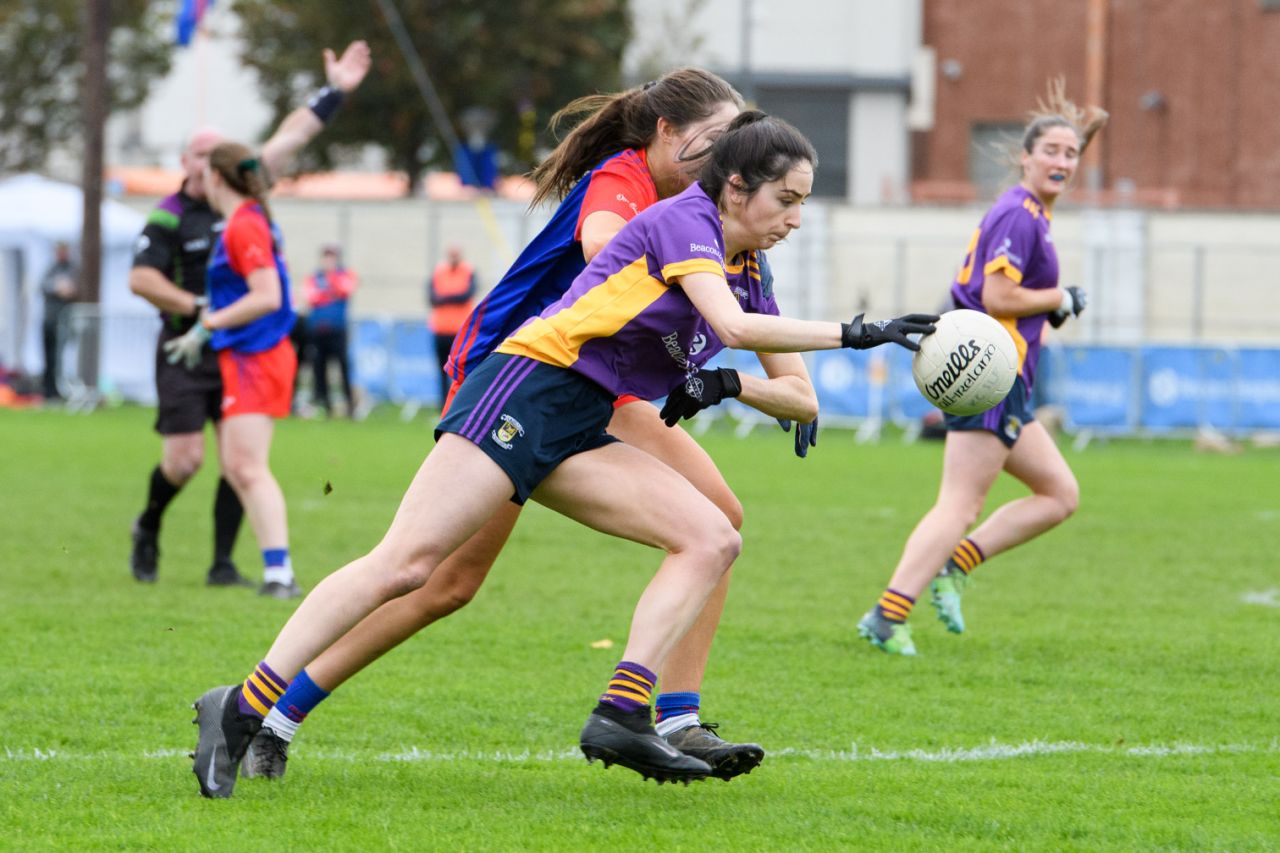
1005,421
528,417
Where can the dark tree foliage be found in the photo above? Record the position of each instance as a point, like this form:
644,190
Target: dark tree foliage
520,59
40,72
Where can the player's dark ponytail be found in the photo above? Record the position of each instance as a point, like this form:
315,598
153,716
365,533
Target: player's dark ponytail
758,148
624,120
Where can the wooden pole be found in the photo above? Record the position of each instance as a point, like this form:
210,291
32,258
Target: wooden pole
93,113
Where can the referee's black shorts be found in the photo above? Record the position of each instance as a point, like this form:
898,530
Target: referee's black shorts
186,399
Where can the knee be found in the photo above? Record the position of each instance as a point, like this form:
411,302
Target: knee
723,545
181,464
1068,500
404,570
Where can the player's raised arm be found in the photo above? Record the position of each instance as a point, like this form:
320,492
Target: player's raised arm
342,75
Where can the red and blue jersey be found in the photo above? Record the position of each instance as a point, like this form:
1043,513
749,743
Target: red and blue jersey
625,323
1013,238
549,264
248,242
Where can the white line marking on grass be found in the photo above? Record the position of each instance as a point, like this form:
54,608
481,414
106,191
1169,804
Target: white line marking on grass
1267,597
990,752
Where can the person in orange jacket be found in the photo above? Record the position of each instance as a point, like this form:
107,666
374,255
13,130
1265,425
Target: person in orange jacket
451,294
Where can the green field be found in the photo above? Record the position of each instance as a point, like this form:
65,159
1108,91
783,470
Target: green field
1118,687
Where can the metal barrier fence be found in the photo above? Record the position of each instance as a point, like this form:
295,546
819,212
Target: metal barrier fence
1151,389
106,355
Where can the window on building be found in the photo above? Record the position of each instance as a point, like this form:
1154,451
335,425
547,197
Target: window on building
821,114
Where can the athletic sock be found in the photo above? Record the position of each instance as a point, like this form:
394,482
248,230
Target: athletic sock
630,688
159,493
292,708
676,711
967,556
894,606
261,691
276,566
227,513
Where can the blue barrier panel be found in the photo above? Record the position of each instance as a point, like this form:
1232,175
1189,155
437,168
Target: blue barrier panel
1096,387
905,400
1184,387
414,373
370,340
1257,389
842,379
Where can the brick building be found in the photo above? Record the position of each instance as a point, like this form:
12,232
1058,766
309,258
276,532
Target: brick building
1193,88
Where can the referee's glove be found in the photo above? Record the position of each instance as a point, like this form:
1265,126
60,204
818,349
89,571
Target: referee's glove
189,347
860,334
702,389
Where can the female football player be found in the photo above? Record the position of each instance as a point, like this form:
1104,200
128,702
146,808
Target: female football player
670,291
631,149
248,322
1010,272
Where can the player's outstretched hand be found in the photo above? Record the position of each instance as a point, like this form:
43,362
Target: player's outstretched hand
188,347
806,435
704,388
346,72
860,334
1073,302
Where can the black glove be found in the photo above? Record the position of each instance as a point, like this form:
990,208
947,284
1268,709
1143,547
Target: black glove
704,388
1073,302
806,435
860,335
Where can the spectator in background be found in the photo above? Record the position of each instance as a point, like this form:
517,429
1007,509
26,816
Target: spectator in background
59,289
451,295
328,290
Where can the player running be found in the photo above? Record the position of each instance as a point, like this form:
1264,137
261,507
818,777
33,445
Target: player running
632,149
1010,272
670,291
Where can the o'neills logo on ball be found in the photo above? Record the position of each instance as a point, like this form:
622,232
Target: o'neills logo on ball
965,365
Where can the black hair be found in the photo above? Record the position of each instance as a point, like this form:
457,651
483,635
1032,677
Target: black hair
758,148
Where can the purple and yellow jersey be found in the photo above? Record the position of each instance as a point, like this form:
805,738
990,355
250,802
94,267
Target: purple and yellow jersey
625,323
1012,238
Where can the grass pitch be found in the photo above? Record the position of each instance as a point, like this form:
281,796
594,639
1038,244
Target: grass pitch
1117,688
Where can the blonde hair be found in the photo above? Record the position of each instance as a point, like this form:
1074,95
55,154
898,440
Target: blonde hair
1057,110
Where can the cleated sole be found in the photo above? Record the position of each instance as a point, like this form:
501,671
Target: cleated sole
660,774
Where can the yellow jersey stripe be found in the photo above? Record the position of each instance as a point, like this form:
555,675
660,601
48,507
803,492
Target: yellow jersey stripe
679,268
1003,263
1019,342
599,313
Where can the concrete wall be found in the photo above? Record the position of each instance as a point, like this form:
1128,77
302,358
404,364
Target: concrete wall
1212,277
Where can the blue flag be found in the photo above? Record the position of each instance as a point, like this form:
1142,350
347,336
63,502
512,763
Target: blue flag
188,20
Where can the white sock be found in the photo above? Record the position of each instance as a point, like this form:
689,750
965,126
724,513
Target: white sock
278,574
284,727
674,724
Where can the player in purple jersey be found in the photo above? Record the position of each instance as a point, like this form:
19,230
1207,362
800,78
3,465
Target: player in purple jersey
629,150
1010,272
525,424
169,272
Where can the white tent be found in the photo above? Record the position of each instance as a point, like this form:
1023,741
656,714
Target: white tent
35,213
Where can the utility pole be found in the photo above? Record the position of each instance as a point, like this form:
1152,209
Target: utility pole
95,23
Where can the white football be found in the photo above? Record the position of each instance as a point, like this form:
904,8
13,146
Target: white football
968,365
